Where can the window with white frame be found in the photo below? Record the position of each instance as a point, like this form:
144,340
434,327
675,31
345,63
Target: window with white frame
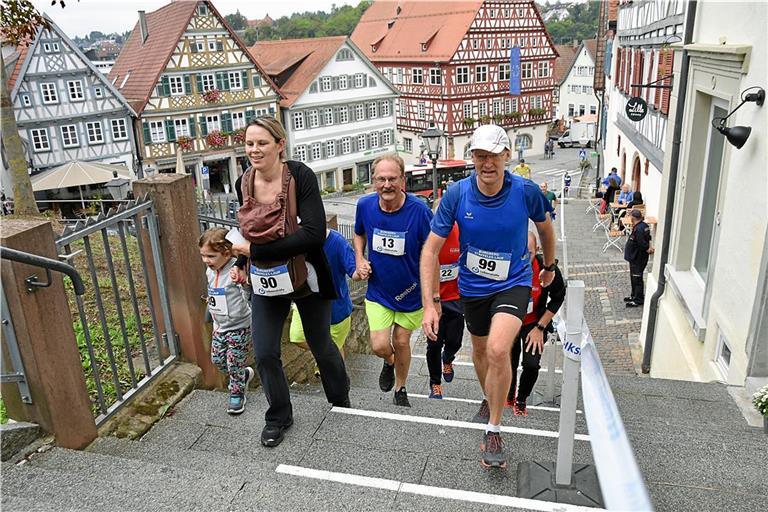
181,126
55,47
313,118
298,120
330,149
69,136
343,83
315,151
157,131
346,145
526,70
593,109
408,144
421,110
467,110
417,76
373,110
176,85
482,108
40,140
571,109
211,45
359,112
475,44
386,137
435,76
326,83
119,129
48,91
98,92
514,105
238,120
200,45
582,110
723,355
213,123
496,109
26,100
374,139
507,105
75,88
235,80
462,75
385,108
359,80
491,13
343,114
95,132
47,47
587,89
300,153
543,69
504,71
481,73
345,54
399,75
209,82
328,116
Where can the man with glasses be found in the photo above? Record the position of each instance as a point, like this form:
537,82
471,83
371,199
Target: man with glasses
394,226
491,208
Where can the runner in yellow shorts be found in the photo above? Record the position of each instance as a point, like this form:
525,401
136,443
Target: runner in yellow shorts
381,317
339,331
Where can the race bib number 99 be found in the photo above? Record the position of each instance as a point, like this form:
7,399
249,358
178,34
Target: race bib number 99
492,265
389,242
449,272
271,282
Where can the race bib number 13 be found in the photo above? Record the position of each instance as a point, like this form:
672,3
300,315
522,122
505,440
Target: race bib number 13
389,242
492,265
271,282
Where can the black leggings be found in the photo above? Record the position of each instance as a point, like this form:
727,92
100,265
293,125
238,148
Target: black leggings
268,318
449,335
530,366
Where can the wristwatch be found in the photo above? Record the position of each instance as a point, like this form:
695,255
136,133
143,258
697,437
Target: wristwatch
540,327
551,268
436,299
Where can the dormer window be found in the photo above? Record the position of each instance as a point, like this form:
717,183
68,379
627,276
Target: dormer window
202,9
423,47
390,24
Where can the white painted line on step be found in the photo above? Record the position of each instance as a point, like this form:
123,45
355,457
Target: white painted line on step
449,423
470,363
426,490
472,401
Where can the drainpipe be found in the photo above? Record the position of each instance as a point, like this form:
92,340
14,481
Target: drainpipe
139,161
669,208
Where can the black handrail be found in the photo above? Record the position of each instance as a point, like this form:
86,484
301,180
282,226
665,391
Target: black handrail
46,263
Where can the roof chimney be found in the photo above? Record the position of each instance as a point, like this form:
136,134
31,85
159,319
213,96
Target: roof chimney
575,42
143,26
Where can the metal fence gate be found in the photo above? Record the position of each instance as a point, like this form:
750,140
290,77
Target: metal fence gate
127,337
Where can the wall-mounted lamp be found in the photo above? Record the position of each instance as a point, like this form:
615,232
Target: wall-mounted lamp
738,135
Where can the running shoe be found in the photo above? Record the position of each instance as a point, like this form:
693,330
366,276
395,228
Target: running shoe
492,449
401,398
447,370
484,414
250,373
520,409
236,403
629,299
387,377
436,391
272,436
509,403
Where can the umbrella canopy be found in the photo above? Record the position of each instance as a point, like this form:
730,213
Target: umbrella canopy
77,173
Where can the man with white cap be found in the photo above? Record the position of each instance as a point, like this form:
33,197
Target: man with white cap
491,208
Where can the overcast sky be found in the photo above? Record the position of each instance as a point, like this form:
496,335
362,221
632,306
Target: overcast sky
79,18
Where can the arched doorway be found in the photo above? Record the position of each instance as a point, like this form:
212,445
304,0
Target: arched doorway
636,174
624,167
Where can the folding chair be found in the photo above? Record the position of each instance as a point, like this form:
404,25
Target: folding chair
614,238
602,220
593,206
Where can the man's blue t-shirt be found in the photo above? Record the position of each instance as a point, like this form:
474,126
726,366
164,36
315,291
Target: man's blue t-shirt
394,247
625,197
341,258
493,232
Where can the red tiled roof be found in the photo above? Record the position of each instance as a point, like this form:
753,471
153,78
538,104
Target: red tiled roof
308,56
145,62
20,55
266,20
591,46
413,25
564,62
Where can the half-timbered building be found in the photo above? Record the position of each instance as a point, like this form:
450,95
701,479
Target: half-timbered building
338,110
65,109
195,87
641,61
451,63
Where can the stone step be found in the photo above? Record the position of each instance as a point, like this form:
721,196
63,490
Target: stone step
31,504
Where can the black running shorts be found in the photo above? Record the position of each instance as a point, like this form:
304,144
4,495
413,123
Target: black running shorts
478,311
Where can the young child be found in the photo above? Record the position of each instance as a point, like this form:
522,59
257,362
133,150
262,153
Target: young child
228,305
341,259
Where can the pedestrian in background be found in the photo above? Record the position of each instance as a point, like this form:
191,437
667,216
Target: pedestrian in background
636,253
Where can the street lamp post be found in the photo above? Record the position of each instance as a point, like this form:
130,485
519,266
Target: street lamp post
432,137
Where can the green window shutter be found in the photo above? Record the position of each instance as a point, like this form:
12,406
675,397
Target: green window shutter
226,122
249,115
187,85
192,128
199,83
203,126
225,81
220,81
246,85
193,46
170,130
147,135
219,46
256,79
165,85
271,110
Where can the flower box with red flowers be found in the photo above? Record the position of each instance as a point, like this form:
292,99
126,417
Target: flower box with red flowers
212,96
216,139
185,143
238,136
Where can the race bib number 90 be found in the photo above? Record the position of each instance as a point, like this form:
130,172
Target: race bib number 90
271,282
449,272
389,242
491,265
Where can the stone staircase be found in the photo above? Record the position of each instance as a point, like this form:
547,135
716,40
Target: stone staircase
691,442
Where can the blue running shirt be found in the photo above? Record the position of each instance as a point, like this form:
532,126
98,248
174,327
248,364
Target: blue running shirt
341,259
394,248
493,232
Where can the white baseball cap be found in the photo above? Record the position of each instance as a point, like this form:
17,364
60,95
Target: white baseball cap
490,137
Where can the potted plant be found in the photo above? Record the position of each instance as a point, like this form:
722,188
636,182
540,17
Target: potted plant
485,119
238,136
468,122
185,143
216,139
760,400
498,118
212,96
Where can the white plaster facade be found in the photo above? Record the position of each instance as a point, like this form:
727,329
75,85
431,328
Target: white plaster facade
576,95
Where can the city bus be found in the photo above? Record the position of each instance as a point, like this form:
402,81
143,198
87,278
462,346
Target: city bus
418,178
